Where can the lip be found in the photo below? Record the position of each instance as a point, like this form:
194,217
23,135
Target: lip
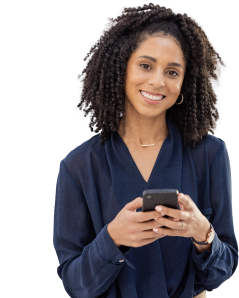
150,101
152,93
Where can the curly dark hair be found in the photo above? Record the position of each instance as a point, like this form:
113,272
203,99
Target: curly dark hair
103,84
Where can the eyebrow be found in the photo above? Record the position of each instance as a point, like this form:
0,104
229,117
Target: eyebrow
155,60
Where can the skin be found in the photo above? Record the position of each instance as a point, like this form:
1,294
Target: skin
195,224
144,124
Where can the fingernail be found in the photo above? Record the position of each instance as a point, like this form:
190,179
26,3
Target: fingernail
156,218
155,230
158,208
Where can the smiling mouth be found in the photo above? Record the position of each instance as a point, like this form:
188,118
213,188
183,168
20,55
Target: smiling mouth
152,97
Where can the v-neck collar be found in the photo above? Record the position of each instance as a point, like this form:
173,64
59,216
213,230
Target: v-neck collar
170,150
132,163
127,182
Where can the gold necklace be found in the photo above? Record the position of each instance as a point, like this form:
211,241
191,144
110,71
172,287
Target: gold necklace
149,144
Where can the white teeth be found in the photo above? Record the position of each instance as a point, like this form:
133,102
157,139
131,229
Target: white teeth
151,96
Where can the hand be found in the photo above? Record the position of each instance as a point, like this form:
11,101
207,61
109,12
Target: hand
131,228
186,222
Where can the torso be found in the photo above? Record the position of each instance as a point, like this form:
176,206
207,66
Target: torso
144,157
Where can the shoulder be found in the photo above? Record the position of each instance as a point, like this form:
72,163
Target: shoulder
210,143
80,155
209,147
206,149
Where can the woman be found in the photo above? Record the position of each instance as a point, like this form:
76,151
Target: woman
148,86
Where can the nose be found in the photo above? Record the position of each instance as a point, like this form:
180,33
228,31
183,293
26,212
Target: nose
157,79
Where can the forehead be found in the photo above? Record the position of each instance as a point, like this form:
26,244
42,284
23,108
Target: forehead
161,48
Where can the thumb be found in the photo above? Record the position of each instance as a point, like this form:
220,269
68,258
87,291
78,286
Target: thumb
184,201
135,204
180,201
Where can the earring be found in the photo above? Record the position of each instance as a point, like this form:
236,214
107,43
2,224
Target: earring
180,101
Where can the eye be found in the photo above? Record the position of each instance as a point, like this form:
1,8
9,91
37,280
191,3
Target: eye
145,66
173,73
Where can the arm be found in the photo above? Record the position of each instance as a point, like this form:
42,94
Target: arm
89,263
216,265
203,234
201,248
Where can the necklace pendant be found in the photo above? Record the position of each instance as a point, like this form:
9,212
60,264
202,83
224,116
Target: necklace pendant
147,145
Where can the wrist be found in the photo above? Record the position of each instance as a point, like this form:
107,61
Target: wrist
110,230
202,248
203,232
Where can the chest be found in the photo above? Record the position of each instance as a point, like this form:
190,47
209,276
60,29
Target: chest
145,158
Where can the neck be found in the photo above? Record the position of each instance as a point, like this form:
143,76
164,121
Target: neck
144,130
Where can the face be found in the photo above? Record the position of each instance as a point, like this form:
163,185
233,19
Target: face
155,69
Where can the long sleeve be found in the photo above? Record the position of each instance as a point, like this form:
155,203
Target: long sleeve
217,265
89,263
96,181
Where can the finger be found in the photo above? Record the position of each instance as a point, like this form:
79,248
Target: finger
135,204
169,232
181,207
169,217
175,225
174,213
148,235
161,225
185,200
146,216
150,225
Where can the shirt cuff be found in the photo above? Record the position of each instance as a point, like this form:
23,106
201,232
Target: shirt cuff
204,259
109,251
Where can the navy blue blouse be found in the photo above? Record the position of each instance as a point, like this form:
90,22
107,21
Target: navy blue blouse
95,182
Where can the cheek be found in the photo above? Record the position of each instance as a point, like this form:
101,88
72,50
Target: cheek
134,80
175,87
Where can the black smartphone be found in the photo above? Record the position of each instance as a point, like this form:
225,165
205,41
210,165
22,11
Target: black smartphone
164,197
